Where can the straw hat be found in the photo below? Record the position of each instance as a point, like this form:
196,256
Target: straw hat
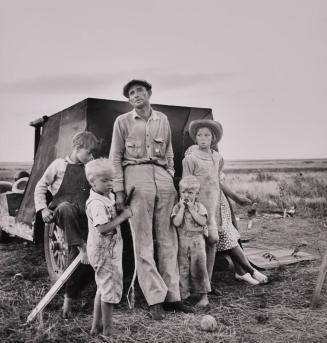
215,128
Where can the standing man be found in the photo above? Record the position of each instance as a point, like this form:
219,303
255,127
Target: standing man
142,156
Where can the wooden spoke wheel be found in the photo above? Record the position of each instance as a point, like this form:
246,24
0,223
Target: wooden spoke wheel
56,250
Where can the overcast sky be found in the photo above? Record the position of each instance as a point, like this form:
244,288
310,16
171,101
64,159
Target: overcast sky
260,65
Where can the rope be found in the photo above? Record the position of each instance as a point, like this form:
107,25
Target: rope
131,290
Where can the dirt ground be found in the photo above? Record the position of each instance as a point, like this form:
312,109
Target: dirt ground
276,312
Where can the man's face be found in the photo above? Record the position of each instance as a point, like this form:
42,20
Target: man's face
139,96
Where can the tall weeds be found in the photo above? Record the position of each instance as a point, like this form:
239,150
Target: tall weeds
306,191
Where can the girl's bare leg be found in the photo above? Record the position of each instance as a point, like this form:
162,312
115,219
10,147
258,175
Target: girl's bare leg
107,309
238,256
97,315
239,269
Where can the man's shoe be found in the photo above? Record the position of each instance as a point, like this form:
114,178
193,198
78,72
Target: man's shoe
177,306
157,312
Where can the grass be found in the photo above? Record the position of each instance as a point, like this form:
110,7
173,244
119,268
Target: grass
272,313
276,312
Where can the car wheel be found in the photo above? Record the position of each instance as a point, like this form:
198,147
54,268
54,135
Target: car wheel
56,251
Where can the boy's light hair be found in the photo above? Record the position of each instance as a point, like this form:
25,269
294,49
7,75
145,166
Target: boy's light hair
85,139
189,182
98,167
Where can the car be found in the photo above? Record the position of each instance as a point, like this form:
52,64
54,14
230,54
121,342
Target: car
53,134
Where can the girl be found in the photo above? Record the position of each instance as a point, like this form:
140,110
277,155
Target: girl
206,164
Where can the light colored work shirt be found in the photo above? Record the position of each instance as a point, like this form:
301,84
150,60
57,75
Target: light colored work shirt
51,180
136,141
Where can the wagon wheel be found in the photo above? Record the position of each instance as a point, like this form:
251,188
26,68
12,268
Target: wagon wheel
56,250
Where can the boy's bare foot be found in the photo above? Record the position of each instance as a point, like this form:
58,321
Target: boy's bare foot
110,333
96,330
203,302
67,308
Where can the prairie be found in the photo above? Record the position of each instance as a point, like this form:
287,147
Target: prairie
276,312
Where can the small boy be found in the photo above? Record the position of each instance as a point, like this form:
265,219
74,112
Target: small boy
190,217
65,179
104,243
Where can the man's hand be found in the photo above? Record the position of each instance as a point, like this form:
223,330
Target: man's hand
120,200
47,215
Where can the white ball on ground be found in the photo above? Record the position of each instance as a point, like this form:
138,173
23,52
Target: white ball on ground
208,323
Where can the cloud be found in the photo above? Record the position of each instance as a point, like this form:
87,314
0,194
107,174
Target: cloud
59,83
84,82
183,80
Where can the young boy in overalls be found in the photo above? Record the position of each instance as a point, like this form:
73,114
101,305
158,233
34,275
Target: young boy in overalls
104,243
65,179
190,218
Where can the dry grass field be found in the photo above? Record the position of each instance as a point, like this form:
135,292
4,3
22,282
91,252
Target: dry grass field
276,312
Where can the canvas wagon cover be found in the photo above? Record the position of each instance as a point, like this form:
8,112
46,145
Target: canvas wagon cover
98,116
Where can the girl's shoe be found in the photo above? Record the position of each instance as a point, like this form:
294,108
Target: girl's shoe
259,276
248,278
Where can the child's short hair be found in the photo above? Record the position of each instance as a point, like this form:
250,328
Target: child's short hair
85,139
189,182
98,167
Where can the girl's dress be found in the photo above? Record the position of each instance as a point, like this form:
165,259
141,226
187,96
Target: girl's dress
207,168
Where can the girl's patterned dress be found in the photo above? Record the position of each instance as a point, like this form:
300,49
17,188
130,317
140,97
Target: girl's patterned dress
207,167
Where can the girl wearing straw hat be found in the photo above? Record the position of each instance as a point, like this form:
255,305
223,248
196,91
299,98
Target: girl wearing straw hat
202,161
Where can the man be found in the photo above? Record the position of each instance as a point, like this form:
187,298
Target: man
142,156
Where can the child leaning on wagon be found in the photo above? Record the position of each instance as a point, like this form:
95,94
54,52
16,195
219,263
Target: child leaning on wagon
202,161
104,243
190,218
65,179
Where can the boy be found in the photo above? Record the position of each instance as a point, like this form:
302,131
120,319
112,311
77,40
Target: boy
65,179
190,217
104,243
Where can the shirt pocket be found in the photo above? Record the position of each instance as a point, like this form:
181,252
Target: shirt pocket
159,147
133,147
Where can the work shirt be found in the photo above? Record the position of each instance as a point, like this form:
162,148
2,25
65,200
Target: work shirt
136,141
51,180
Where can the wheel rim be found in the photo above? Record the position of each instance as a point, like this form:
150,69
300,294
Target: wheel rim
58,249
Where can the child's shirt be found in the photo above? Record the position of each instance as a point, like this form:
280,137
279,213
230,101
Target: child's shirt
101,210
207,167
51,180
189,224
